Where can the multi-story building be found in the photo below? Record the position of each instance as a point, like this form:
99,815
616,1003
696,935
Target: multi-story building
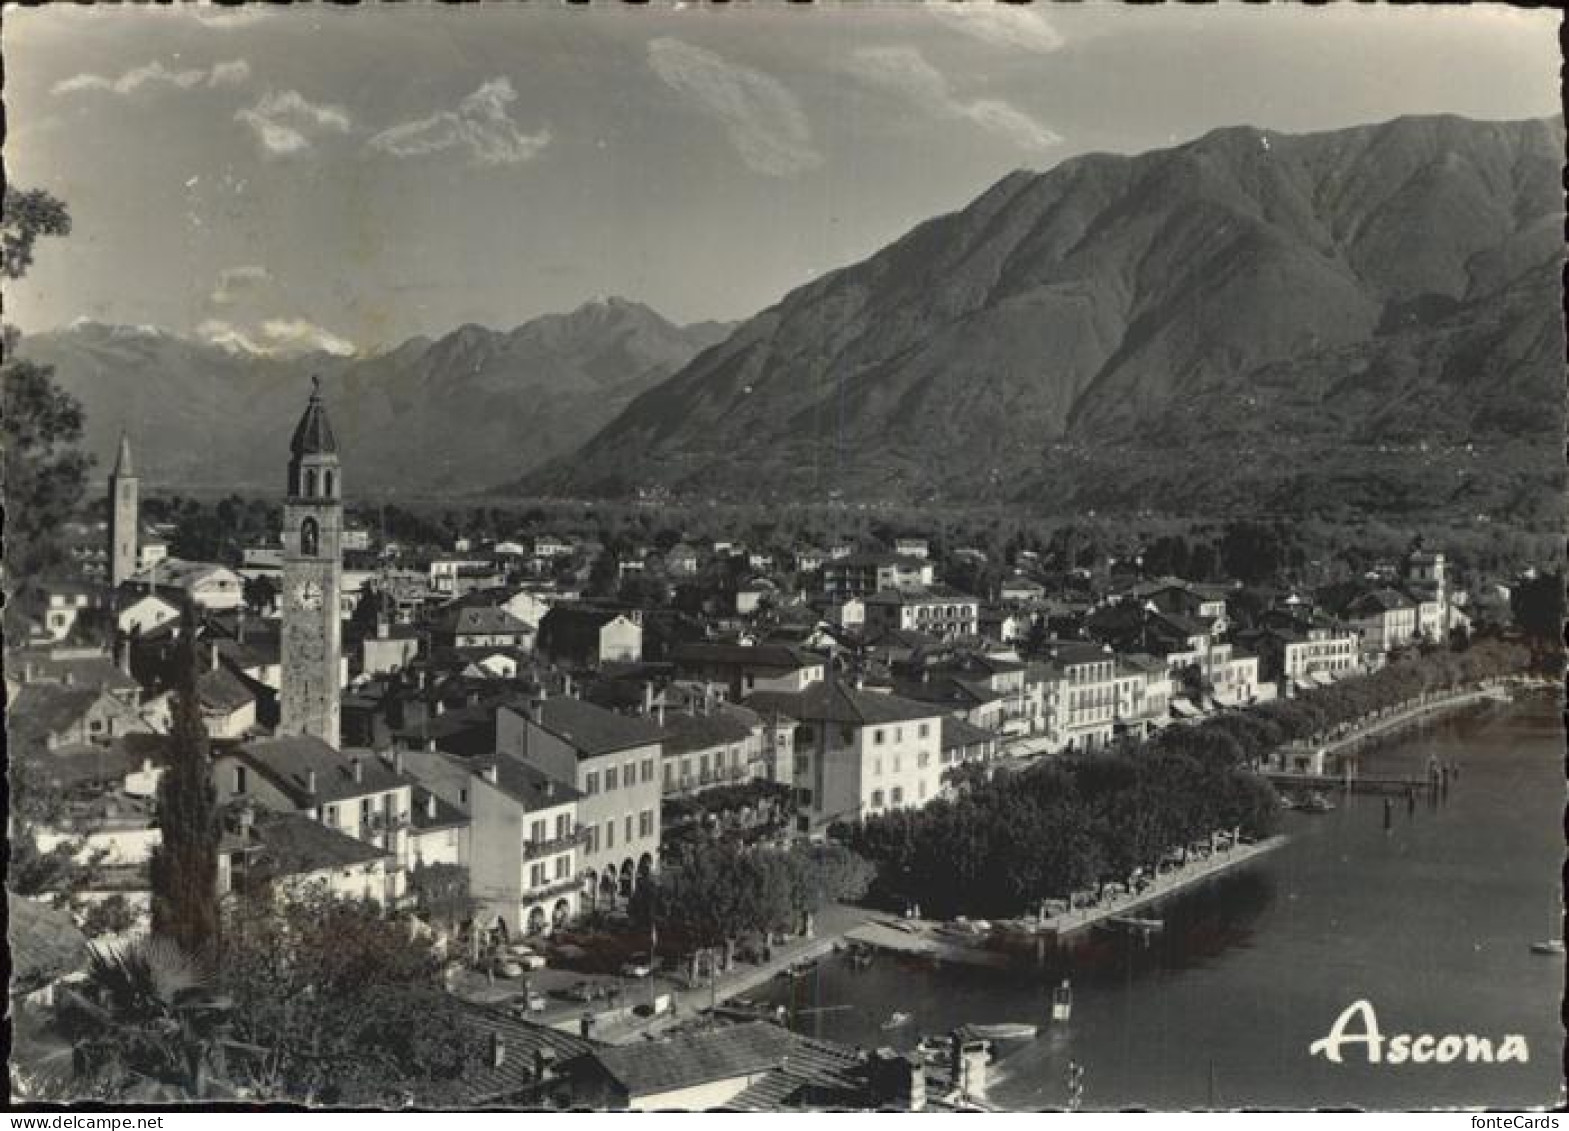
713,744
860,575
1303,653
589,636
857,753
936,610
1080,692
295,854
743,669
614,762
524,866
1384,619
353,792
1143,696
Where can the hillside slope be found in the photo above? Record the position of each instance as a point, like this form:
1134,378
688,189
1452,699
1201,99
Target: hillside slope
455,414
1157,331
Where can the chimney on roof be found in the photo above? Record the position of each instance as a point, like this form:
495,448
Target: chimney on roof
430,745
382,628
29,671
239,624
69,678
441,707
397,761
536,708
358,767
544,1063
310,781
430,806
498,1050
490,773
648,699
214,658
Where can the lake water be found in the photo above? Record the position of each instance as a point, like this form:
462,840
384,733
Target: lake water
1431,921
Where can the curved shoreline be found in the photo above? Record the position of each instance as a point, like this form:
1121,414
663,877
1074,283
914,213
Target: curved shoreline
1378,725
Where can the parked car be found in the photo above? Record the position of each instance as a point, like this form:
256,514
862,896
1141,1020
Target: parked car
640,965
583,991
532,1002
526,957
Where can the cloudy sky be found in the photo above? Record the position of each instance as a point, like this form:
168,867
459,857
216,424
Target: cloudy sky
352,176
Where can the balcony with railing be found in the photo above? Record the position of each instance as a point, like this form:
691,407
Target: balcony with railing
384,822
552,889
533,849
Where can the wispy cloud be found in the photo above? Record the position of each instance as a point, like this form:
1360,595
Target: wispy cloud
275,336
287,122
761,116
1016,26
481,125
235,283
228,18
905,70
154,76
298,334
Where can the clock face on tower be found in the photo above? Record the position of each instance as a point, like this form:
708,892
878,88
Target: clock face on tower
308,595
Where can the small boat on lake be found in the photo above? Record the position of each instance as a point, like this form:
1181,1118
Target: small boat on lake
1551,946
896,1020
1316,802
1004,1031
1062,1002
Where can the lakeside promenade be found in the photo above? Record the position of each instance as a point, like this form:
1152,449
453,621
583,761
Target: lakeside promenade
1362,730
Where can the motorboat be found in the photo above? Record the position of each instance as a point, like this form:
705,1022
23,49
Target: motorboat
1317,803
1005,1031
896,1020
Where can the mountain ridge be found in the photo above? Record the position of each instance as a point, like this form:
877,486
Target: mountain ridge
1089,304
514,396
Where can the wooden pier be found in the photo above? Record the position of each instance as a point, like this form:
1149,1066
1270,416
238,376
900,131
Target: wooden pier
1356,783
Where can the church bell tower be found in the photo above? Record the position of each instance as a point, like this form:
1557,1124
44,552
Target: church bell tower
312,579
124,515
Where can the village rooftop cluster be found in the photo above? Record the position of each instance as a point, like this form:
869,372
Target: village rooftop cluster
380,710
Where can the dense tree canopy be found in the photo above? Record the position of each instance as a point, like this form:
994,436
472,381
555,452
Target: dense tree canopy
41,426
346,1005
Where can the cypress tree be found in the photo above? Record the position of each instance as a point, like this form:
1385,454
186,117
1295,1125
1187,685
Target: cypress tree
184,866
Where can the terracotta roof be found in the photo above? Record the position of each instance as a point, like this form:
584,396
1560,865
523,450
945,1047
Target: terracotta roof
42,709
446,816
958,732
288,761
521,1040
481,619
222,690
291,844
529,787
834,701
686,733
75,766
689,1059
781,657
592,730
1072,652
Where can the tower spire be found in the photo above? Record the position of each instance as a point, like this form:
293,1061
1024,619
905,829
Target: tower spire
123,468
